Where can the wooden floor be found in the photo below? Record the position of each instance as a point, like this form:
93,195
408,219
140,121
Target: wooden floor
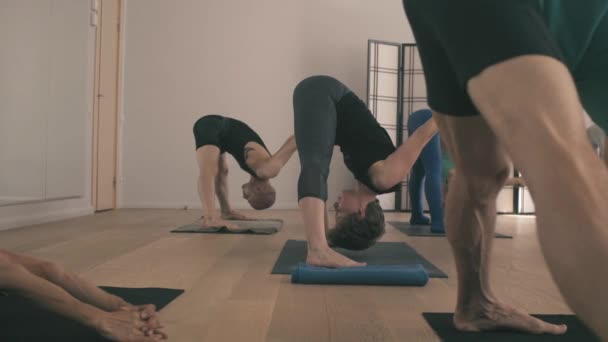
231,295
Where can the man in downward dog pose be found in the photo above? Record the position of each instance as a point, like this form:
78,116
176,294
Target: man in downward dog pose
66,294
499,78
215,135
327,113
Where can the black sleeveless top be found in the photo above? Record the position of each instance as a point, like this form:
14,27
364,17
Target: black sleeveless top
234,136
362,140
229,135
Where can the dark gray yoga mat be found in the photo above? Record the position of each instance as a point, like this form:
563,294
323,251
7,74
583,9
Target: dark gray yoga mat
261,227
382,253
424,230
444,328
24,321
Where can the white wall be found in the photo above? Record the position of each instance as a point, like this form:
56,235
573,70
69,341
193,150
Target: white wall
186,58
68,145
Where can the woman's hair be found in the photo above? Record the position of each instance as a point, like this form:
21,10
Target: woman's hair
358,233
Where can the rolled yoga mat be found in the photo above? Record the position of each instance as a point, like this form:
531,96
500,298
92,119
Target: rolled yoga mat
260,227
393,275
425,230
443,326
24,321
382,253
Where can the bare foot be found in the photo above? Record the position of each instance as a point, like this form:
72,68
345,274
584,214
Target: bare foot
126,326
235,215
327,257
498,316
217,222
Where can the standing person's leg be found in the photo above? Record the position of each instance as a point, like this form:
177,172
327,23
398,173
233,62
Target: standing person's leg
417,175
532,106
415,191
315,121
470,215
431,159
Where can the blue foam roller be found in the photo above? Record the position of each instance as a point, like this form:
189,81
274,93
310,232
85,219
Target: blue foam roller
394,275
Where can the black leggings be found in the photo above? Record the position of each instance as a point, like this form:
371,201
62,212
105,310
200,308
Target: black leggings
315,120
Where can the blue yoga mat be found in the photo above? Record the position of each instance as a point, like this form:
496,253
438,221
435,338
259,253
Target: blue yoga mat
391,275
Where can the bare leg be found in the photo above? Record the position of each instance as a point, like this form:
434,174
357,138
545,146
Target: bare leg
531,104
208,157
470,216
319,253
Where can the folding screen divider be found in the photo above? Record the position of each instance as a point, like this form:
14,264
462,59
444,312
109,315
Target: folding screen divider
395,88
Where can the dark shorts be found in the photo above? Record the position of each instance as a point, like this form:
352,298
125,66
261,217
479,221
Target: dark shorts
458,39
208,130
591,76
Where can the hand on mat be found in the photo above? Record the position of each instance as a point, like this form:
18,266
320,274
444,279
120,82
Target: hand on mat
235,215
327,257
217,222
150,315
126,326
498,316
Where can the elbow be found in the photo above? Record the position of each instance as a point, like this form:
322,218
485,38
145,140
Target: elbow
267,174
383,182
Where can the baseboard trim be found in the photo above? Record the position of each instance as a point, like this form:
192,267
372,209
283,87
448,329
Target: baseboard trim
43,216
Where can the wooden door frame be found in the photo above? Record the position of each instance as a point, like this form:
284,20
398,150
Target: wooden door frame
96,86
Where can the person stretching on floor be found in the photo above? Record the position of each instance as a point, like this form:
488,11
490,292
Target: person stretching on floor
327,113
509,80
68,295
215,135
427,169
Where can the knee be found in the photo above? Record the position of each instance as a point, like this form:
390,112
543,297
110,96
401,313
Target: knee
484,184
223,169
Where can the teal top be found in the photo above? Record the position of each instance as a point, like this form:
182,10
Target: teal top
446,165
580,28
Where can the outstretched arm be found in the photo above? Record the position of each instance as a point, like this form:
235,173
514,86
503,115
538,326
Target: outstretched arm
221,185
393,169
120,324
221,190
207,157
272,167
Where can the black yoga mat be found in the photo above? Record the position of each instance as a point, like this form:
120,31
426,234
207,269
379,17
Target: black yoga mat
23,321
444,328
260,227
425,230
382,253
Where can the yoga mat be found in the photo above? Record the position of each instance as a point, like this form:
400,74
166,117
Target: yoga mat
23,321
424,230
261,227
444,327
393,275
382,253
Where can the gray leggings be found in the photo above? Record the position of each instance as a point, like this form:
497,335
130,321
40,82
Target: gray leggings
315,120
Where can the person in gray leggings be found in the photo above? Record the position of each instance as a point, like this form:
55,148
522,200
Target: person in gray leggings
327,113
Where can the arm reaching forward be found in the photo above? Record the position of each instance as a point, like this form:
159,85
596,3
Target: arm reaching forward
271,167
